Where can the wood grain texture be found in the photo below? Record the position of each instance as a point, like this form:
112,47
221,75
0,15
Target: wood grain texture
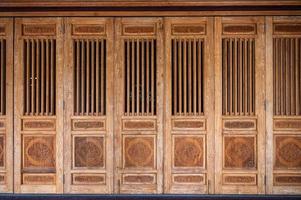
38,96
6,104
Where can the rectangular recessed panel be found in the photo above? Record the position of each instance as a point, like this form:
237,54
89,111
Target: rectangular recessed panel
189,178
237,29
188,124
286,124
39,29
2,151
189,29
2,178
286,28
187,77
89,152
88,29
39,66
132,124
38,153
239,152
2,29
287,76
139,29
89,81
238,76
189,151
88,179
37,179
3,53
88,124
287,151
2,124
139,178
139,152
38,124
140,82
239,179
240,124
288,179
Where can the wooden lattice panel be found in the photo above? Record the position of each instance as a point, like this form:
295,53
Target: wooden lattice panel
239,105
89,106
188,167
284,105
38,93
139,84
6,106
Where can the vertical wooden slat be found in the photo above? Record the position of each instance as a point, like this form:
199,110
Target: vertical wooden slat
127,43
133,77
87,109
292,77
297,77
33,66
241,41
138,77
253,77
245,75
37,79
152,76
52,84
231,77
42,77
103,75
93,77
77,76
235,77
147,76
143,76
189,77
200,61
2,76
82,77
180,75
194,76
47,78
185,77
250,82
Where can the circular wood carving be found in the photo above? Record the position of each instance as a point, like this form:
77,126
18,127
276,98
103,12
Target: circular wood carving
188,152
89,152
139,152
39,151
240,152
288,152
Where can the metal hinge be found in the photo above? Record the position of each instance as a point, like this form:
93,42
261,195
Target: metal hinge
265,105
63,178
265,180
63,105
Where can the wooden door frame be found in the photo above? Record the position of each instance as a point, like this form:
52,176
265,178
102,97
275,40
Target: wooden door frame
7,120
57,187
107,130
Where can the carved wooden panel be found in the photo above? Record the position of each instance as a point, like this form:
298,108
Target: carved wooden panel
6,105
189,114
89,105
139,105
239,105
39,108
284,105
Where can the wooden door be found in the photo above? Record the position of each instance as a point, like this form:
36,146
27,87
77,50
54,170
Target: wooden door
38,105
239,104
283,53
6,105
89,105
189,121
139,105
